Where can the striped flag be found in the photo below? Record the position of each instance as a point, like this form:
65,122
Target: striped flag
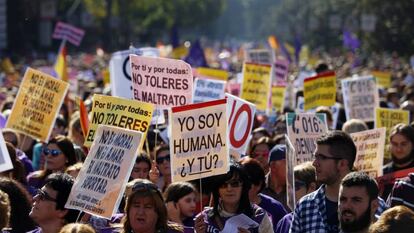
68,32
61,65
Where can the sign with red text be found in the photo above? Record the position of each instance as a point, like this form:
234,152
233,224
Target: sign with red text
199,142
256,84
370,151
101,182
240,114
320,90
161,81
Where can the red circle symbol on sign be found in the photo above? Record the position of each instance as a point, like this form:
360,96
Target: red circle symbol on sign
238,143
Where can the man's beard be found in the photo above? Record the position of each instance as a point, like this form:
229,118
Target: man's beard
402,160
358,224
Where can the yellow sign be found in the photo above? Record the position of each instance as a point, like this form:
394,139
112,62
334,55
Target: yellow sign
256,84
278,97
383,78
37,104
320,90
119,112
213,73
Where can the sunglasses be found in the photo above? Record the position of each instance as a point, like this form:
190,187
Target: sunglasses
322,157
299,184
146,187
43,196
161,159
232,183
54,153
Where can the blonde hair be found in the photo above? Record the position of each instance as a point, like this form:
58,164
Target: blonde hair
77,228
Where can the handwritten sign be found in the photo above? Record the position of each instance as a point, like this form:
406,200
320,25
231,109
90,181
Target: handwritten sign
360,97
119,112
161,81
256,84
37,104
261,56
281,72
208,89
199,141
101,182
370,151
303,129
320,90
278,97
383,78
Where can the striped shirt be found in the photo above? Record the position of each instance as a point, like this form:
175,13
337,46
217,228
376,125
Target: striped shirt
402,192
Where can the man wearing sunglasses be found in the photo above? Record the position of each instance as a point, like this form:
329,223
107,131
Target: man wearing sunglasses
48,209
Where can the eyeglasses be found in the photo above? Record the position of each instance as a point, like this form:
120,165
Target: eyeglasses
232,183
52,152
42,195
322,157
161,159
299,184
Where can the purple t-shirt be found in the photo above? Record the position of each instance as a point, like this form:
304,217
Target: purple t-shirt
284,223
274,208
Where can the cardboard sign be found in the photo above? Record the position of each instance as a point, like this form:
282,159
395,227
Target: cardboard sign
5,161
161,81
383,78
320,90
101,182
256,84
370,151
290,176
240,115
335,114
278,97
37,104
199,141
360,97
281,71
208,89
261,56
118,112
303,129
204,72
120,70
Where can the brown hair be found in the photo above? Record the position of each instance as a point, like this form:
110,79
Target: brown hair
77,228
396,219
4,210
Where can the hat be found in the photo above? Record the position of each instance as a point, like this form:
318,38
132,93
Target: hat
278,152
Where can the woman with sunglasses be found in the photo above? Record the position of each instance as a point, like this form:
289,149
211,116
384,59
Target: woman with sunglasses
145,210
180,198
231,198
161,174
59,154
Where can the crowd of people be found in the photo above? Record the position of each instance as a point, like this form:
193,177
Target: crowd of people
330,195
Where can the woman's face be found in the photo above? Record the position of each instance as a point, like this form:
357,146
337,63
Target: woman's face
140,170
401,146
55,159
261,153
230,191
187,205
142,215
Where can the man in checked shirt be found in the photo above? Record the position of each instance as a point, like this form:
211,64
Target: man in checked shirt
317,212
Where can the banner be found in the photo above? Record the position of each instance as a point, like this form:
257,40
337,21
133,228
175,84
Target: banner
320,90
383,78
261,56
240,115
281,71
303,129
120,70
161,81
208,89
204,72
5,161
118,112
68,32
256,84
199,141
370,151
278,97
290,173
101,182
360,96
37,104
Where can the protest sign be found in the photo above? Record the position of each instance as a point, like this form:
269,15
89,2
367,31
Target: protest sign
118,112
383,78
320,90
278,97
256,84
335,114
68,32
303,129
204,72
37,104
5,161
261,56
208,89
300,105
370,151
161,81
101,182
240,115
281,71
388,118
290,174
360,96
199,141
120,70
